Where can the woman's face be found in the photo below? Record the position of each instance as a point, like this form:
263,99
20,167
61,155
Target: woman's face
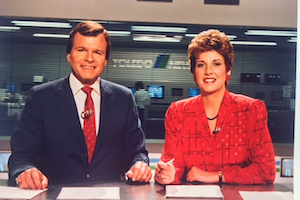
210,72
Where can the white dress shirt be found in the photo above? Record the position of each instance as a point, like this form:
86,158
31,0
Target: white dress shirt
80,97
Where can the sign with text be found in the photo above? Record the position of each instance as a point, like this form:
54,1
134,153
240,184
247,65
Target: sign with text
222,2
157,0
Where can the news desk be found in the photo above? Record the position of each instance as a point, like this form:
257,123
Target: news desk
154,191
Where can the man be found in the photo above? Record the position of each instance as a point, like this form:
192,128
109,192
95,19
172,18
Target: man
67,134
142,99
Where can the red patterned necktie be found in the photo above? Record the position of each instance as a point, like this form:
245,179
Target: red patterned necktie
89,126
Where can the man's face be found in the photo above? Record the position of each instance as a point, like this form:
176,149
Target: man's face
87,57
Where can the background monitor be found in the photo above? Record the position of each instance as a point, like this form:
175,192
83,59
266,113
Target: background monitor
10,87
156,91
274,79
250,78
287,167
133,90
177,91
194,92
25,87
276,95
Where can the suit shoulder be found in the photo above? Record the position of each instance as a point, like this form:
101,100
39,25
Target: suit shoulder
48,86
115,87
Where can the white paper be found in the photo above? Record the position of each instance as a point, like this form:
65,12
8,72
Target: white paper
17,193
188,191
89,193
274,195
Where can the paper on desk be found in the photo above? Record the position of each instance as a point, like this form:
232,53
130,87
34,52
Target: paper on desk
17,193
263,195
199,191
89,193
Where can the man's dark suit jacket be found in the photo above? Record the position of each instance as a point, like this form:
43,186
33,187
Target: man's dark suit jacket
48,135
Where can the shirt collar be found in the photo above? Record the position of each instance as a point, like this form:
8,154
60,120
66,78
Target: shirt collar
76,85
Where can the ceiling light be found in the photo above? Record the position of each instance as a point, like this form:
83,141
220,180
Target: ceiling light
9,28
159,29
254,43
42,24
293,39
156,38
50,35
119,33
231,37
271,33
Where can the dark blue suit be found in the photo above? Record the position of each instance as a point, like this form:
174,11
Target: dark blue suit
48,135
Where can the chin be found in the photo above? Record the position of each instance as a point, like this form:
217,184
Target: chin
88,81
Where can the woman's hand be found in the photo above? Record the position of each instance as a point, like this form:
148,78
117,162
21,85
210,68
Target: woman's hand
196,174
164,173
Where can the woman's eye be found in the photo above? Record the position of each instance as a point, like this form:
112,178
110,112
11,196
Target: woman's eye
200,65
218,64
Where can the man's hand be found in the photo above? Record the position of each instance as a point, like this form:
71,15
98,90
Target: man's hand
32,179
165,172
139,172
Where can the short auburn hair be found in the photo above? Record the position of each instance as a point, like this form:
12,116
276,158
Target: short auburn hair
209,40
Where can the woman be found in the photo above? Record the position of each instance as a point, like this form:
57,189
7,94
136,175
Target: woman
217,136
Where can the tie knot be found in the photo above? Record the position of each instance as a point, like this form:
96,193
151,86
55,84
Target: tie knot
87,90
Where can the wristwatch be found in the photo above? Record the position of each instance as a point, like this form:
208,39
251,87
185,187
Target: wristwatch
220,174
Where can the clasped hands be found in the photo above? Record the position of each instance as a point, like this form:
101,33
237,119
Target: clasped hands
165,174
35,179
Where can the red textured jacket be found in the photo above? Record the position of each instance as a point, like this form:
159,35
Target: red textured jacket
242,149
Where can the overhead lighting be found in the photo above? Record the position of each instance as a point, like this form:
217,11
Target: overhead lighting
293,39
254,43
159,29
231,37
156,38
42,24
9,28
53,35
119,33
50,35
271,33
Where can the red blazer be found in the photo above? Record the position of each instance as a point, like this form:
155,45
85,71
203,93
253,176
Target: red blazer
242,148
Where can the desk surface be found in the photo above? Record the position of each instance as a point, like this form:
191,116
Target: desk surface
153,191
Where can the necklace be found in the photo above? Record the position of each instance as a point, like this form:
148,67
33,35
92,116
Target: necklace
213,117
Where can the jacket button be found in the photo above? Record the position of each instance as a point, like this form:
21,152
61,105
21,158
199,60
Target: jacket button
88,175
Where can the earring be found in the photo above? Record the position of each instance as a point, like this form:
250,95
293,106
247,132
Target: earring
227,77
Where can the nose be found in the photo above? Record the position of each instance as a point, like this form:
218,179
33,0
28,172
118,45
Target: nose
208,69
89,56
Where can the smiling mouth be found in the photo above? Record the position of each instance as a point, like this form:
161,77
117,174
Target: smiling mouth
88,67
209,80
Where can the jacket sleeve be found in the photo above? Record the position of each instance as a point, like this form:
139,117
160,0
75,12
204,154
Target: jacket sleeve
135,149
261,169
26,139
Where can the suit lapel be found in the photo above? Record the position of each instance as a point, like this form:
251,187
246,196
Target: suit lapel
66,103
106,104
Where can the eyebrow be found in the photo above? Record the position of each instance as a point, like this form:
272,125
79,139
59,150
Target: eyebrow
218,59
83,47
